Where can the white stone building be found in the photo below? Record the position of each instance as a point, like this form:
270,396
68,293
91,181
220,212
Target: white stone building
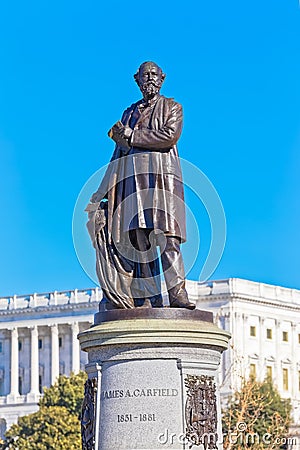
264,322
38,339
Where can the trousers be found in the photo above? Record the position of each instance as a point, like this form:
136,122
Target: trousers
146,281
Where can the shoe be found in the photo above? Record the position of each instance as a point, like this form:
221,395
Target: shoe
182,304
157,301
146,304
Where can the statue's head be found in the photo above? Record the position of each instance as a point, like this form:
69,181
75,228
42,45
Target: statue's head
149,78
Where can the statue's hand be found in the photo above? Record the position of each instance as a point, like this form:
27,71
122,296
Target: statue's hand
126,132
104,204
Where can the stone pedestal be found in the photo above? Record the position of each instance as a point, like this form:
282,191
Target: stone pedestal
153,380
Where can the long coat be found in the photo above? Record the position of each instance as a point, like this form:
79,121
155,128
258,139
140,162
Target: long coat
144,185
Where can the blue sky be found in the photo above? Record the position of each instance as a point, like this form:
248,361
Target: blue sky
66,75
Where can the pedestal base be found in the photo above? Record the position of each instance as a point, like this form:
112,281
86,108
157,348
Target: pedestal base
153,380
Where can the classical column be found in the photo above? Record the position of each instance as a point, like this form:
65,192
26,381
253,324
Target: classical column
54,354
278,338
227,357
294,372
260,367
243,331
34,358
14,364
75,348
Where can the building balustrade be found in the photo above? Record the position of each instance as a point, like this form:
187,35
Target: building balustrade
50,299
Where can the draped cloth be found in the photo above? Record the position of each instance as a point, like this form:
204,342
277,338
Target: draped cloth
114,272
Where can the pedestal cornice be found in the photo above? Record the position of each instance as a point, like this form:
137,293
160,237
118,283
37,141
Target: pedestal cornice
153,327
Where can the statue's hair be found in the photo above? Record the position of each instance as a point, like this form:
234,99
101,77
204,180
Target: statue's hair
137,74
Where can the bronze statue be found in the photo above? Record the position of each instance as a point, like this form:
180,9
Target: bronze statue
139,204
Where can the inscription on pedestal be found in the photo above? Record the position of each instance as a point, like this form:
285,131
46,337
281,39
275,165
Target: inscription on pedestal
141,400
144,416
201,411
152,392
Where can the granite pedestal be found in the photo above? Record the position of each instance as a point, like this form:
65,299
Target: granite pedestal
153,380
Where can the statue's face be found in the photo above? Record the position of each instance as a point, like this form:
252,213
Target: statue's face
150,80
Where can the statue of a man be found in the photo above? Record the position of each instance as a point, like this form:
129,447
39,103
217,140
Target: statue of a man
139,205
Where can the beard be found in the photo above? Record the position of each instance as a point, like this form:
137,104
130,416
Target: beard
150,89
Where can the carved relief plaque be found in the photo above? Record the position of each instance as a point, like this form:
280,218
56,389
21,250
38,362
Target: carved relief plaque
201,411
88,415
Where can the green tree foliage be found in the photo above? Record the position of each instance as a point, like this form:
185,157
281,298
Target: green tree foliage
67,392
51,427
55,426
257,410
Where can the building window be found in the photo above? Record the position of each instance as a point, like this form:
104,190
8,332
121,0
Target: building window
285,336
299,338
1,346
252,331
20,345
40,343
40,384
60,341
285,379
20,386
252,370
269,373
269,333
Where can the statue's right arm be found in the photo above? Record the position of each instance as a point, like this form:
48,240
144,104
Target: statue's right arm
163,138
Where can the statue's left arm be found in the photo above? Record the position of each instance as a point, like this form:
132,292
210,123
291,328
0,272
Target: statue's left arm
164,137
